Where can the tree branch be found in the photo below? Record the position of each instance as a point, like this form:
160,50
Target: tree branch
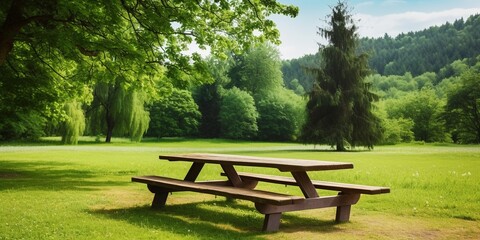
47,64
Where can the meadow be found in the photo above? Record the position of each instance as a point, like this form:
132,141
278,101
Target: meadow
50,191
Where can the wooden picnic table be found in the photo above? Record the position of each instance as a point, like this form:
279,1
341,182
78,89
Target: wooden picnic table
242,185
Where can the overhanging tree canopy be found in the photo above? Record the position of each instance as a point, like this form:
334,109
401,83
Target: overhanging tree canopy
157,31
64,44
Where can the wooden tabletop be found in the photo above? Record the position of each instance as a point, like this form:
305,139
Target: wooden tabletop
283,164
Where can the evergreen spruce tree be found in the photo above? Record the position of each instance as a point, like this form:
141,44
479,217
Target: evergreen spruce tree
340,102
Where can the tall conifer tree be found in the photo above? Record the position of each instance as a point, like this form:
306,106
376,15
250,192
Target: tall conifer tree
340,103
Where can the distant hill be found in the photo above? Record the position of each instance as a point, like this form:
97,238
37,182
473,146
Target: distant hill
428,50
424,51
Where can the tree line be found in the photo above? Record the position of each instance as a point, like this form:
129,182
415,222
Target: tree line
424,51
246,100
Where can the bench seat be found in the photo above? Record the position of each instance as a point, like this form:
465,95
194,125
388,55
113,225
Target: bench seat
256,196
342,187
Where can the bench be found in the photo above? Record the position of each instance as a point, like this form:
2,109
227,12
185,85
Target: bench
334,186
165,184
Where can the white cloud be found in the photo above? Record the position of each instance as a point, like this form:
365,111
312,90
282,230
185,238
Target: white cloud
392,2
365,4
394,24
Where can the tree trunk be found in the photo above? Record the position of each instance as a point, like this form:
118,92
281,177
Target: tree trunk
110,125
340,146
10,28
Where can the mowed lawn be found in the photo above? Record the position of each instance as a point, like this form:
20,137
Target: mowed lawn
85,192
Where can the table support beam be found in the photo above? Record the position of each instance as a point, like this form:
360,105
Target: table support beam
305,184
232,175
194,171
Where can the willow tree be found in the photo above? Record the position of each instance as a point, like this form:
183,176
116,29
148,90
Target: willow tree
74,123
118,109
340,103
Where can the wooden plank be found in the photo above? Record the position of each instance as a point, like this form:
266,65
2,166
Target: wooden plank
157,189
283,164
257,196
334,186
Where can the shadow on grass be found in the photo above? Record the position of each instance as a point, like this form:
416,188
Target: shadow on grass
49,175
213,220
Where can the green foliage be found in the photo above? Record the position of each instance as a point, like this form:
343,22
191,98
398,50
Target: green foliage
256,74
397,130
208,97
300,69
453,69
339,106
297,87
175,115
27,97
258,71
238,115
23,125
74,123
280,116
139,117
463,108
425,109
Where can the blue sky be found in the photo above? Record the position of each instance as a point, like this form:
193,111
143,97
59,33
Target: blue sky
374,19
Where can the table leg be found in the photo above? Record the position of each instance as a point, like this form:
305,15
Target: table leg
272,222
343,211
159,200
343,214
160,197
194,171
305,184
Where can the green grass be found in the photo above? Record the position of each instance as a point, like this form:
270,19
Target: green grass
49,191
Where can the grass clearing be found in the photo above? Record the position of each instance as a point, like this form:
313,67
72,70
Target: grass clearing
50,191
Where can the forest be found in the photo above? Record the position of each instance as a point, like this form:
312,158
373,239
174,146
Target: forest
428,84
